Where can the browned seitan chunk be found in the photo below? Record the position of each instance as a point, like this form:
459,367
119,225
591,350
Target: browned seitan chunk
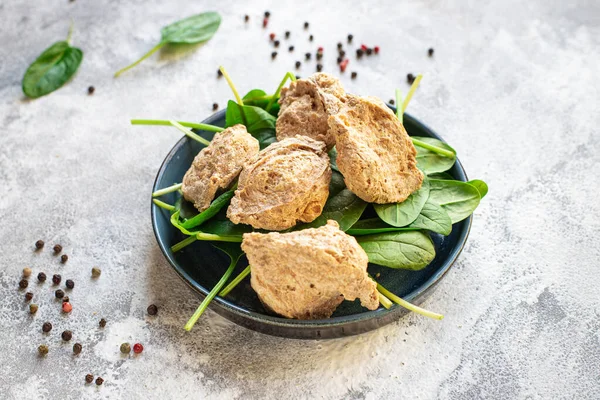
375,154
306,105
287,182
306,274
218,164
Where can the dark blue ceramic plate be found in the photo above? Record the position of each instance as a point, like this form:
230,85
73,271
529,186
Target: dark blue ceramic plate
200,265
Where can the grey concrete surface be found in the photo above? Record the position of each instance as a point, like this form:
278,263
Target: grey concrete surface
513,86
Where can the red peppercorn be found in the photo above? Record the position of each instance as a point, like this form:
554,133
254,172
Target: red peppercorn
343,65
67,307
138,348
272,36
364,47
376,49
320,49
265,22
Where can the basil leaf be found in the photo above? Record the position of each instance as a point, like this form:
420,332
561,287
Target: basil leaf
402,214
52,69
194,29
430,162
480,185
405,250
372,226
433,218
458,199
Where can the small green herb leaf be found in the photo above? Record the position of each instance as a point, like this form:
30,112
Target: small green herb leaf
428,160
402,214
52,69
404,250
458,199
480,185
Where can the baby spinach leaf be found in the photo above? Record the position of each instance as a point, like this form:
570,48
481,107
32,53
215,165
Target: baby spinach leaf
480,185
342,206
433,218
402,214
372,226
258,122
458,199
52,69
259,98
333,159
441,175
195,29
224,227
406,250
428,160
216,206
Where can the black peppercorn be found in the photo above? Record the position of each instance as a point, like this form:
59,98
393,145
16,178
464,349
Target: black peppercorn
339,45
359,53
306,25
287,34
39,244
276,43
59,294
91,90
430,52
96,272
354,75
46,327
369,51
57,248
64,258
291,48
319,67
339,60
410,78
392,101
41,277
23,283
215,106
99,381
273,55
56,278
65,299
152,309
342,54
350,37
246,18
319,55
33,308
307,56
89,378
267,14
298,77
219,73
298,64
311,38
102,323
43,349
77,347
66,336
28,296
70,284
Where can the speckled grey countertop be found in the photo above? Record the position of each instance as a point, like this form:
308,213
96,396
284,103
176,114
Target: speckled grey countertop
513,86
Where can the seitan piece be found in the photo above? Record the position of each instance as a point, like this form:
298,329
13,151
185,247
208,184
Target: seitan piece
287,182
306,274
306,106
218,164
375,154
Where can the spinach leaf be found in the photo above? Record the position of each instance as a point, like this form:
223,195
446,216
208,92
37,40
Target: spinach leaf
333,159
458,199
342,206
195,29
216,206
433,218
259,98
224,227
402,214
480,185
406,250
428,160
258,122
372,226
441,175
52,69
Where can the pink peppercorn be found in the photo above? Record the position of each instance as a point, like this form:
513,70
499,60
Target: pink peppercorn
272,36
138,348
265,22
320,49
376,49
67,307
364,47
343,65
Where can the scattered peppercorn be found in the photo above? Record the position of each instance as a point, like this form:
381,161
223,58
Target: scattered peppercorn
219,73
64,258
33,308
392,101
91,90
69,283
99,381
67,307
215,106
319,55
272,36
138,348
359,53
26,272
343,65
410,78
66,336
56,278
339,60
102,323
307,56
311,37
41,277
320,49
298,64
125,348
265,22
46,327
376,49
369,51
273,55
339,45
42,349
65,299
96,272
350,37
39,244
430,52
28,296
59,294
276,43
23,283
342,53
287,34
354,75
77,347
57,248
297,77
89,378
267,14
152,309
319,67
291,48
363,47
246,18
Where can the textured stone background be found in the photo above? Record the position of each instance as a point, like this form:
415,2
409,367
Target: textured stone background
513,86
